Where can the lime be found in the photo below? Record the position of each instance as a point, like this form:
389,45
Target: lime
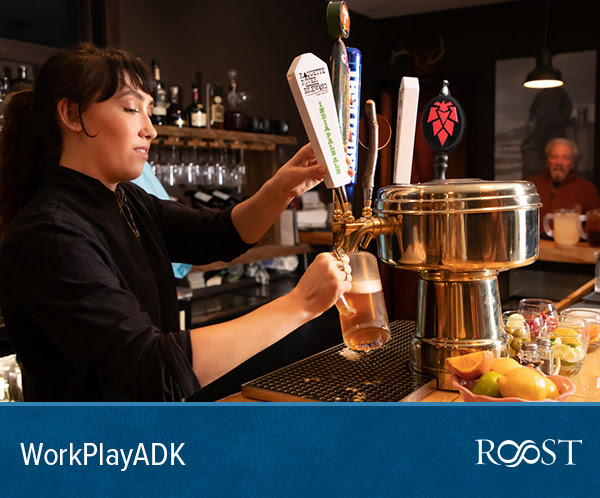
559,350
487,385
573,355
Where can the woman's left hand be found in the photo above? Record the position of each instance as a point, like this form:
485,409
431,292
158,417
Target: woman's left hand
301,173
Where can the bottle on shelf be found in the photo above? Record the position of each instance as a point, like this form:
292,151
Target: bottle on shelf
235,119
159,112
175,114
217,109
21,81
195,111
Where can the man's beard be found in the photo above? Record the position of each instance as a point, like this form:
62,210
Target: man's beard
558,176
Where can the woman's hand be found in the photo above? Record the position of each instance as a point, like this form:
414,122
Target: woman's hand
253,217
301,173
323,283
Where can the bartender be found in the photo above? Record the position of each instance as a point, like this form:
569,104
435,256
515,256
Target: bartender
86,285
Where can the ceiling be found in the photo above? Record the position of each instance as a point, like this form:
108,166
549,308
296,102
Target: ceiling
381,9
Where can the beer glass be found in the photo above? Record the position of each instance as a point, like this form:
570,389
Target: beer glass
365,326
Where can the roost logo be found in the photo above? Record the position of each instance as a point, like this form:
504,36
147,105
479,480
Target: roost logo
512,454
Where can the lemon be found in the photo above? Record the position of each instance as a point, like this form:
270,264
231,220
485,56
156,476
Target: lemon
523,382
564,331
552,389
567,336
503,365
488,385
514,322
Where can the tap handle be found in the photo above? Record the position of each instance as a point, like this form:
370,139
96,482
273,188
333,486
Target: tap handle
443,127
373,127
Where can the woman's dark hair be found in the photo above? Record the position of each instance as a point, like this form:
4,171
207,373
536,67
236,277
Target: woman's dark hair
30,135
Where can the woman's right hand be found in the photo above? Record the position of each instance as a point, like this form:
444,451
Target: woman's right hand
322,284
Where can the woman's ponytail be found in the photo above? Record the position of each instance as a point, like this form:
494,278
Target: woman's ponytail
20,150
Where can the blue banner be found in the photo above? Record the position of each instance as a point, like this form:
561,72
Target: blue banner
298,449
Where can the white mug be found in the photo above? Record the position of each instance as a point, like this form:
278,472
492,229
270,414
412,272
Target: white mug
567,227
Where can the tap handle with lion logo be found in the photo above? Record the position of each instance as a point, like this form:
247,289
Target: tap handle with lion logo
443,127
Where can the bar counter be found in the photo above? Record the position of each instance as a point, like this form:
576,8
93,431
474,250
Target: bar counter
587,381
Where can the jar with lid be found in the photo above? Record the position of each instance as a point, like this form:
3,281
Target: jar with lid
545,355
529,354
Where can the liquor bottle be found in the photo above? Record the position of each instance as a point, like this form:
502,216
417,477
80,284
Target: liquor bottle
159,112
217,109
235,119
175,113
21,81
195,112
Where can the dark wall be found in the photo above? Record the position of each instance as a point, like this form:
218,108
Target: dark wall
54,23
259,38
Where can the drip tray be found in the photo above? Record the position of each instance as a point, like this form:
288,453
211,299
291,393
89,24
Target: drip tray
340,374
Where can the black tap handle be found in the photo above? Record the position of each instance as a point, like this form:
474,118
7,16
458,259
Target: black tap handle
443,127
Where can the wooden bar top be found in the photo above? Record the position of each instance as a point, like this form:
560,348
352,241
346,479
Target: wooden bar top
581,253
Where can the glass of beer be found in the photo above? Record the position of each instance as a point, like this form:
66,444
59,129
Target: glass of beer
363,316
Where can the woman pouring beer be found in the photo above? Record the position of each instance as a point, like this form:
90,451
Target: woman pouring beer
86,285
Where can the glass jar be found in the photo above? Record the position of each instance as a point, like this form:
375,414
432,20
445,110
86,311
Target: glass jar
529,354
545,354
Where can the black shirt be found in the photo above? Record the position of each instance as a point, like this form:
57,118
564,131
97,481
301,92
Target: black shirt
90,308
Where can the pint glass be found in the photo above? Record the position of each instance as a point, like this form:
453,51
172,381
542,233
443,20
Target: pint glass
366,326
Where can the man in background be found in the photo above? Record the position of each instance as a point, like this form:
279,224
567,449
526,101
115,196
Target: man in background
559,187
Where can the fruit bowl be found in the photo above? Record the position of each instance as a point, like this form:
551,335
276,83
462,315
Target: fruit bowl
565,387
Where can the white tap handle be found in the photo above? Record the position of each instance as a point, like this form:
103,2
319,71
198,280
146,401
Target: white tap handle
408,100
310,83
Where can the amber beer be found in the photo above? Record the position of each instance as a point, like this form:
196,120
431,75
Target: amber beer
368,327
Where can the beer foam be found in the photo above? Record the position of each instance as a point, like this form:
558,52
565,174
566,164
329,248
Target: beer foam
366,286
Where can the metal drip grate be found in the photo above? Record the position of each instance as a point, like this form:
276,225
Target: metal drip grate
340,374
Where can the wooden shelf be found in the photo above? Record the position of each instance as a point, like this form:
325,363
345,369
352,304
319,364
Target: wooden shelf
258,253
253,141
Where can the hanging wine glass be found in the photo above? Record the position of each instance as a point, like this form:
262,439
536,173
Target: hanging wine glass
240,169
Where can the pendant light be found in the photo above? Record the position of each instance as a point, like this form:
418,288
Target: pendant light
544,75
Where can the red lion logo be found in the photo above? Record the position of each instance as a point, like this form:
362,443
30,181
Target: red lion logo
443,116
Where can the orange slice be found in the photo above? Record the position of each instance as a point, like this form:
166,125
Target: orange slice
594,333
471,366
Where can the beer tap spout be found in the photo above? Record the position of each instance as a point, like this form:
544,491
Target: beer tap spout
360,233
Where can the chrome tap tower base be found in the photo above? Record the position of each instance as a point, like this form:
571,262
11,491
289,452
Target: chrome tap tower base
452,309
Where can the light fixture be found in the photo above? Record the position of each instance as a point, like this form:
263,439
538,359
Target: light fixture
544,75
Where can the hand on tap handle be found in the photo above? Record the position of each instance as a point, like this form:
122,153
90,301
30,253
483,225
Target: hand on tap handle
323,284
253,217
